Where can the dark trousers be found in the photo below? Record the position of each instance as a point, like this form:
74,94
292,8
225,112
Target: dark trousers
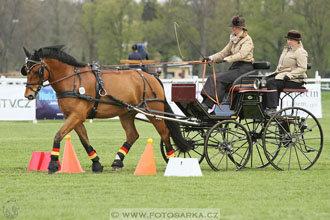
223,80
272,98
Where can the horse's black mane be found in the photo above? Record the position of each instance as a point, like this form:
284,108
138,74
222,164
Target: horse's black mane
56,52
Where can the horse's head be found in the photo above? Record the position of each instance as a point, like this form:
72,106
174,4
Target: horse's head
34,69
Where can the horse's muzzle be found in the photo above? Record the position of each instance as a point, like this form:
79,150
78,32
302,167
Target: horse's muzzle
30,97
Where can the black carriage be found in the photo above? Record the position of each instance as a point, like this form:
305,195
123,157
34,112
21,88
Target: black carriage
240,135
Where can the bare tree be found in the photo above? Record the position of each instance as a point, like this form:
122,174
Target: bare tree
316,29
9,11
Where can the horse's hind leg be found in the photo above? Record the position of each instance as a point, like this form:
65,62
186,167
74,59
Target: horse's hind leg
164,133
127,122
82,133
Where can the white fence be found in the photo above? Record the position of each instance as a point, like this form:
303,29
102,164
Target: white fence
325,82
12,81
13,105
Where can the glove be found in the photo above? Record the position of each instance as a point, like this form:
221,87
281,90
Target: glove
286,78
221,60
206,59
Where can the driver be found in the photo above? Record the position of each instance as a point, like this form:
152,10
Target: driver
239,52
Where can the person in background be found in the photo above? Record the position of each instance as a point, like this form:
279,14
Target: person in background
239,52
143,53
290,71
135,55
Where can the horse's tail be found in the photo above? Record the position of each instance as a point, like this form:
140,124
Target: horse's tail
175,132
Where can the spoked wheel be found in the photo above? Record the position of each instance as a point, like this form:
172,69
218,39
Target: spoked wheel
255,128
195,137
293,139
227,146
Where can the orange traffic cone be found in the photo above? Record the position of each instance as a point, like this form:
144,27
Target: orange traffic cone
70,162
36,160
147,164
45,162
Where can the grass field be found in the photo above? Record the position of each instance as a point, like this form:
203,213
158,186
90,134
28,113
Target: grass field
247,194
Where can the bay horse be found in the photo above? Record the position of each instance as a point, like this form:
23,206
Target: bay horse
85,91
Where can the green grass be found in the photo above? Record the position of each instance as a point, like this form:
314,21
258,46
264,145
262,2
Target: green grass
247,194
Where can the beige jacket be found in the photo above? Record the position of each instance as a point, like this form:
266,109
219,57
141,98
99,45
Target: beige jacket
292,63
242,50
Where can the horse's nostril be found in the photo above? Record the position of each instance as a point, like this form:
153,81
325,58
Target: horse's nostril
30,97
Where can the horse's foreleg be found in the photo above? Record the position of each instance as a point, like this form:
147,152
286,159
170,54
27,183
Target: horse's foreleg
82,133
69,124
127,122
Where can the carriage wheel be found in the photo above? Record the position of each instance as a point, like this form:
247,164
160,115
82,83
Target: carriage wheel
255,128
293,139
227,146
195,137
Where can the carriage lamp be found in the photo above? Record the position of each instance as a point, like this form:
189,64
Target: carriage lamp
159,71
259,83
303,124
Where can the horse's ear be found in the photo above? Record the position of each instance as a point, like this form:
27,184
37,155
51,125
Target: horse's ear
27,53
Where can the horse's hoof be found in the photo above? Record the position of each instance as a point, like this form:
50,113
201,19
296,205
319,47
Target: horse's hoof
114,168
117,165
97,167
51,172
53,167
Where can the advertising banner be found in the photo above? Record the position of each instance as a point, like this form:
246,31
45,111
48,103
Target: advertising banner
47,105
13,104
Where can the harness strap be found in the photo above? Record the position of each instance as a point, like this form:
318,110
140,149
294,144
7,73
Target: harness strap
144,100
99,87
72,94
96,71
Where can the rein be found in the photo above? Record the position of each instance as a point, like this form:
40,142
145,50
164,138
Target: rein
193,62
67,77
117,102
81,72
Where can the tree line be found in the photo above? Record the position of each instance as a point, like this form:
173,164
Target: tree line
105,30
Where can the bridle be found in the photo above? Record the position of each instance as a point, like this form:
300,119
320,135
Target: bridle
40,73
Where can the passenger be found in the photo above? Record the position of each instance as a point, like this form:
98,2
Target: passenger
290,71
239,52
135,55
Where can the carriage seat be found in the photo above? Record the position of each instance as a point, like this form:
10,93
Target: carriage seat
261,65
309,66
249,77
288,90
297,90
145,65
